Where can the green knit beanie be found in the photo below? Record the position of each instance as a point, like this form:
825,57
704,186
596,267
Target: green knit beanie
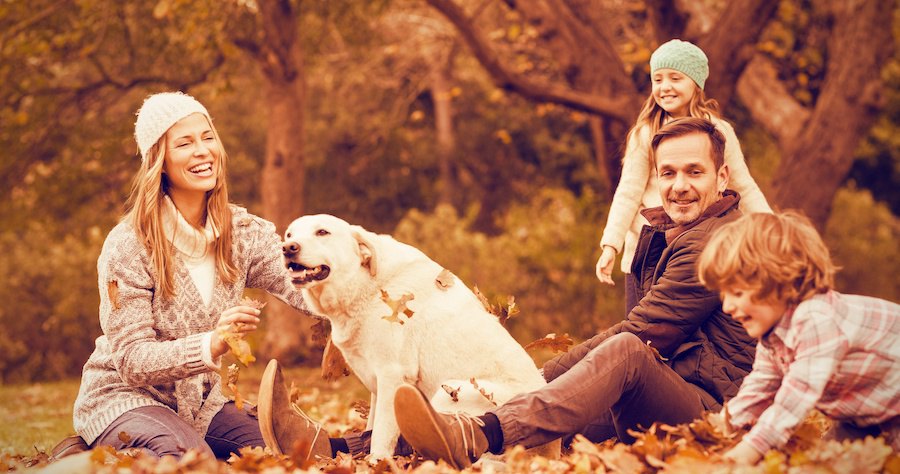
683,57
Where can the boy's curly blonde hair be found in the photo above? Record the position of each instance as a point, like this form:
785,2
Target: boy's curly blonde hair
781,257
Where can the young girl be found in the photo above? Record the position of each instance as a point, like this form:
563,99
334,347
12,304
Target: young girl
171,274
817,348
678,71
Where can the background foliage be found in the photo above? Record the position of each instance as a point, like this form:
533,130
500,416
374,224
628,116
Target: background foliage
528,198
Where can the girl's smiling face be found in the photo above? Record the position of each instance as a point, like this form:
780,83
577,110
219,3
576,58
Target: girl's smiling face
192,156
757,317
673,91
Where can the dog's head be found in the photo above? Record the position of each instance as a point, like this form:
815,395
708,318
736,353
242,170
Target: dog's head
320,248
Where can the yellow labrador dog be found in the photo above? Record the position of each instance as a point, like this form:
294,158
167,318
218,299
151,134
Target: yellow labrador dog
397,316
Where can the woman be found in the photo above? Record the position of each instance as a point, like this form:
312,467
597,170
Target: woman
171,277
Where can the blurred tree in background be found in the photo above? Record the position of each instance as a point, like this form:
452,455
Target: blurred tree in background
488,134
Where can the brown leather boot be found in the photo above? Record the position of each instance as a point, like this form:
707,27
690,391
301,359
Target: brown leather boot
67,447
456,438
284,426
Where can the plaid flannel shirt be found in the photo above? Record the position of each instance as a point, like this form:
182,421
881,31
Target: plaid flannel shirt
835,353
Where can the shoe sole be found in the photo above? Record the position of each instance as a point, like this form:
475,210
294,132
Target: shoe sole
416,408
264,407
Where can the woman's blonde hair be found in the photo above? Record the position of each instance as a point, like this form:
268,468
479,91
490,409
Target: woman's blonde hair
145,214
781,257
654,116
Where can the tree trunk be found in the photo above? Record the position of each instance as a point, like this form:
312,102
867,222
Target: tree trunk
816,161
441,95
288,336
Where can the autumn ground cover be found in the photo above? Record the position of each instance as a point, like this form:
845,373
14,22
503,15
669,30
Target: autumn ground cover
36,416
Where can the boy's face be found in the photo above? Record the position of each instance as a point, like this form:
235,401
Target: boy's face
756,317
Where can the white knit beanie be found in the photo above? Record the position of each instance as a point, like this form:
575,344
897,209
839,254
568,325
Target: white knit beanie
159,113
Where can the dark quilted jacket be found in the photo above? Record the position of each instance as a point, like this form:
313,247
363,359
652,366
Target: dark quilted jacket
676,314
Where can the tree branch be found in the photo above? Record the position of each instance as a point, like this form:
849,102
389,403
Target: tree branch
504,78
730,44
667,21
769,101
30,21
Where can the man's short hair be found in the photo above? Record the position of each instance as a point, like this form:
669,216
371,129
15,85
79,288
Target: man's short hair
685,126
781,257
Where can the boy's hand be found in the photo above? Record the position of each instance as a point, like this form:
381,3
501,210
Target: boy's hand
743,453
722,422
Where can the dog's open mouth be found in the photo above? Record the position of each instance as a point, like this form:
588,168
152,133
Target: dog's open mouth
301,274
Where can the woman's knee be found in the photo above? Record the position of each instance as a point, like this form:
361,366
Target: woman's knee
158,430
232,429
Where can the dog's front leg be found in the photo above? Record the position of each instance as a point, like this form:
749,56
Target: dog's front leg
385,430
370,421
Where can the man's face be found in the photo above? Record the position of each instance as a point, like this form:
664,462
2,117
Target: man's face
688,180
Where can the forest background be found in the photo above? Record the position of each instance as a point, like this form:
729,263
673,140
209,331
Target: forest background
487,133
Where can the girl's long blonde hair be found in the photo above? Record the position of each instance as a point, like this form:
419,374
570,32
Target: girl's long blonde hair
145,214
655,116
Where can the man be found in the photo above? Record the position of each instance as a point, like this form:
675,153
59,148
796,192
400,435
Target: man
675,355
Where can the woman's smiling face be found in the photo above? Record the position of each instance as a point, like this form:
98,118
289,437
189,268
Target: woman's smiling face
192,155
673,90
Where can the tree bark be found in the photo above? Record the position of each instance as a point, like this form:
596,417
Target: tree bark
731,43
283,175
441,95
769,101
817,159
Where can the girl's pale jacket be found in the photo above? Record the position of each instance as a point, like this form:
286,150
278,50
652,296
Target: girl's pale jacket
150,351
639,189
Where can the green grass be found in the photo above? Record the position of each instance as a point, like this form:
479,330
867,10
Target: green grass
34,417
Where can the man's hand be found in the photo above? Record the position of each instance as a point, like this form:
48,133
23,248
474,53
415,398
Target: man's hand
605,265
743,453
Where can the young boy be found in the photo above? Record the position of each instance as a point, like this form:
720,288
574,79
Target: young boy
817,348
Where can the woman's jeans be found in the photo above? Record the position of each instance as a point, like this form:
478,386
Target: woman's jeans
160,431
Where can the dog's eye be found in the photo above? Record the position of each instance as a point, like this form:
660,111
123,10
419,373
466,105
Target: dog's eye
322,232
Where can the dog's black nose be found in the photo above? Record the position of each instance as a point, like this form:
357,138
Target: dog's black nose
290,249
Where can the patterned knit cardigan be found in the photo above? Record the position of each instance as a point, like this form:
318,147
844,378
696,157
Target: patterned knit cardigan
149,352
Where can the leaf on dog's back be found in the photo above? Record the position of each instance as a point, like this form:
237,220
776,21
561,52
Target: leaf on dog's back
503,313
397,306
552,341
509,311
444,280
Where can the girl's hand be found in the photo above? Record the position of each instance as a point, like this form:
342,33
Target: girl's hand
743,453
237,319
605,265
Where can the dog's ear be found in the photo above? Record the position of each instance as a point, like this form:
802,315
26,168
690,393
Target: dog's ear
366,251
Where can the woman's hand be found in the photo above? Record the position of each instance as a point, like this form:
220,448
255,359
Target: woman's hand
605,265
239,319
